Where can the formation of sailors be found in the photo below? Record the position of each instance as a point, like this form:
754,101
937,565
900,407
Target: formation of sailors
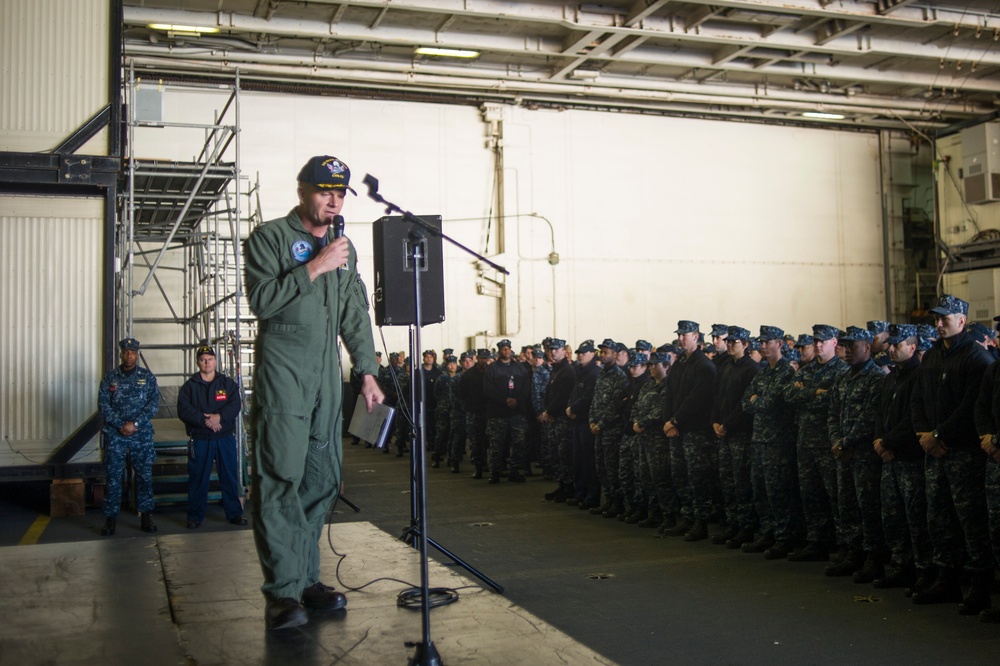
874,448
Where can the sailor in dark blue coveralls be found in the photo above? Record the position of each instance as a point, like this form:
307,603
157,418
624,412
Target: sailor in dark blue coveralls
128,399
209,404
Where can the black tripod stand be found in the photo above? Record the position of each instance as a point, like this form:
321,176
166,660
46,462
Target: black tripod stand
425,653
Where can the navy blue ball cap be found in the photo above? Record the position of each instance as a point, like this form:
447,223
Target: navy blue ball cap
608,342
738,333
768,333
856,334
204,349
450,358
131,344
823,332
659,357
720,330
685,326
484,353
900,332
643,345
637,358
555,343
504,343
326,173
620,347
949,305
585,346
804,340
877,326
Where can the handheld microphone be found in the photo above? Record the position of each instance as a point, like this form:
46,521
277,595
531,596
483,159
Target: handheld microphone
338,226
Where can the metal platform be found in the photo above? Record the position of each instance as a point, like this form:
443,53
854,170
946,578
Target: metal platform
163,187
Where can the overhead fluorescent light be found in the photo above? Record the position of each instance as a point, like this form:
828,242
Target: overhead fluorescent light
445,53
182,29
585,74
823,115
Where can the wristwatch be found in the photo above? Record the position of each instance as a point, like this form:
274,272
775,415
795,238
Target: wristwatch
136,424
934,434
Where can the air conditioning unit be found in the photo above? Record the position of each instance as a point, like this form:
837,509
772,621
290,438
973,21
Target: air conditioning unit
981,163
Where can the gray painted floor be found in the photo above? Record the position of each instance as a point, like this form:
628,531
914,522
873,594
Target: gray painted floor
630,597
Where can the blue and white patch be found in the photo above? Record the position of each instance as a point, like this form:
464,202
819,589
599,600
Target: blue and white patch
301,251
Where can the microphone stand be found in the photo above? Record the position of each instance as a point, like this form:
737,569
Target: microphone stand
425,654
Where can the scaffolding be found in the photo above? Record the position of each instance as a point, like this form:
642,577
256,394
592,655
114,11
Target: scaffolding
181,229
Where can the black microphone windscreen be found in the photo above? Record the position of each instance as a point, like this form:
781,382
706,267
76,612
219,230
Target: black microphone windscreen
338,226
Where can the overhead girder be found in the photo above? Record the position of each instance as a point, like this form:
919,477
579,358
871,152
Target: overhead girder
846,47
433,78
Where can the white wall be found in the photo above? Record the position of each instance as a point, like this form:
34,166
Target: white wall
655,219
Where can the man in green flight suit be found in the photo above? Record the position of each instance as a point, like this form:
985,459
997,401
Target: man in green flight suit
304,287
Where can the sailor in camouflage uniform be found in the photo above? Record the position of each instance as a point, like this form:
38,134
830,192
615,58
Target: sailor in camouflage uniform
458,424
607,423
587,488
561,382
473,397
507,386
539,382
443,388
854,409
988,427
631,471
648,419
904,500
927,335
776,494
948,385
880,343
128,399
817,469
690,396
733,428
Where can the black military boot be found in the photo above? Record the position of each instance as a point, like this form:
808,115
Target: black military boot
758,545
925,578
109,527
945,590
146,521
516,477
845,565
599,510
778,551
680,529
977,599
478,474
742,537
564,493
811,552
721,539
669,522
637,516
896,575
616,509
494,478
698,531
653,519
870,570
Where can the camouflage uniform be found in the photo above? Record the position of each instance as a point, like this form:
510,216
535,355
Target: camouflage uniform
506,427
854,408
444,386
470,392
689,395
653,448
539,382
988,423
630,474
948,384
395,385
586,485
734,448
817,468
123,398
607,412
557,393
456,425
773,452
904,499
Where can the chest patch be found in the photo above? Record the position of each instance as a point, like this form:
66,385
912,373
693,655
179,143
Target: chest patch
220,395
301,251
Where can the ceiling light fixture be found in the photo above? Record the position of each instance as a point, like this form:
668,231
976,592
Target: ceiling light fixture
823,115
585,74
445,53
191,30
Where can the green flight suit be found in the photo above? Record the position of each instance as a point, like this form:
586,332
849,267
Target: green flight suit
297,395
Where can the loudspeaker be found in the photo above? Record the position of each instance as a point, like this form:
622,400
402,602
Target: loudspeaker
393,247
